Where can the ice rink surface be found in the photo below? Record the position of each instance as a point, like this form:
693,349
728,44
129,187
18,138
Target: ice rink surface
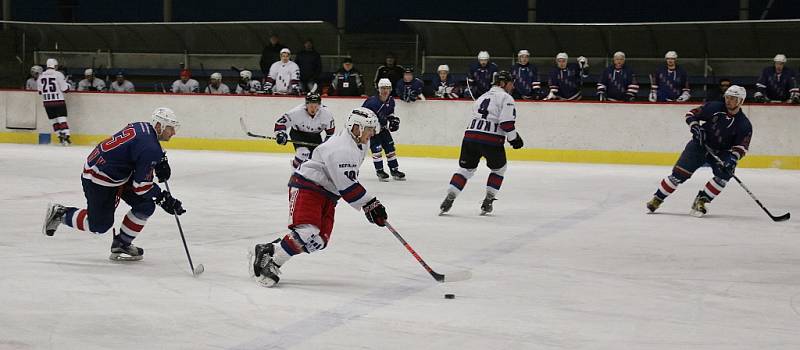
569,260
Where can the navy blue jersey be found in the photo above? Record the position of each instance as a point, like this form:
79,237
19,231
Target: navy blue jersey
480,78
446,88
777,86
566,83
408,90
526,79
670,83
724,132
618,84
126,157
382,109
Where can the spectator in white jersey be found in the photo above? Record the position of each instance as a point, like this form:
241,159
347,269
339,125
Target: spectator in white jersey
215,85
31,83
185,85
90,82
120,84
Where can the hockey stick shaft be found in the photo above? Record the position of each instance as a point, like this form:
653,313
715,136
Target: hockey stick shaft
773,217
247,131
183,238
437,276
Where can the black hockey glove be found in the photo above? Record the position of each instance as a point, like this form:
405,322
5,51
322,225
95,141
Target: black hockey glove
162,169
698,133
729,162
169,203
517,142
375,212
281,138
394,123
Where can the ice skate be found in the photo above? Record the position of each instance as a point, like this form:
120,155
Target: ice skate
262,267
64,140
122,252
486,206
699,205
397,174
382,175
447,203
654,203
52,218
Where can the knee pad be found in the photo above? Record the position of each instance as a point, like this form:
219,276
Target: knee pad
308,237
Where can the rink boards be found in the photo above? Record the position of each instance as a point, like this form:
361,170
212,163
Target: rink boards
582,132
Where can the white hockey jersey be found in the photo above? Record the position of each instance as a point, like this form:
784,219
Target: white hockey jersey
223,89
333,170
298,118
284,76
493,118
51,85
251,87
95,85
31,84
126,86
190,87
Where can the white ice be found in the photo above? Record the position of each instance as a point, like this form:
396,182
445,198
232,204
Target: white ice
569,260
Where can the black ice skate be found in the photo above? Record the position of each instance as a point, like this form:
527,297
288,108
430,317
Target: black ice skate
447,203
397,174
654,203
382,175
64,140
699,205
122,252
52,218
486,206
262,267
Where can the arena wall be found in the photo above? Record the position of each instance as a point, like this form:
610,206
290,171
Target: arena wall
586,132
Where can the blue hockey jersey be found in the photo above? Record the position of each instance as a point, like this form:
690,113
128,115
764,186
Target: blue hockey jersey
480,78
446,88
526,80
408,91
566,83
618,84
127,157
670,84
382,109
724,132
776,86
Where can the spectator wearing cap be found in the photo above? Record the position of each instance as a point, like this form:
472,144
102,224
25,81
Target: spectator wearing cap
185,85
310,63
777,83
444,86
90,82
479,77
347,81
283,77
669,82
390,70
271,53
215,85
618,82
409,89
120,84
526,78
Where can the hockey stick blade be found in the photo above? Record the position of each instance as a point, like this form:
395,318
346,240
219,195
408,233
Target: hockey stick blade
436,276
247,131
783,217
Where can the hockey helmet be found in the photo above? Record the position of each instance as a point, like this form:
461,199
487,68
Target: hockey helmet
502,76
780,58
738,92
619,54
52,63
246,74
671,54
36,69
313,97
483,55
523,53
562,55
166,117
384,83
88,72
364,118
216,76
408,70
443,67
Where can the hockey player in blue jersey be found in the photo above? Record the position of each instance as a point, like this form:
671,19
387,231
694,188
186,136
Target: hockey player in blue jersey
618,82
670,82
565,79
722,127
122,167
383,106
409,89
777,83
444,86
479,77
526,78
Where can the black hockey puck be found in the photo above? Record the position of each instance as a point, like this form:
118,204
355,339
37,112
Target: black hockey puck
449,296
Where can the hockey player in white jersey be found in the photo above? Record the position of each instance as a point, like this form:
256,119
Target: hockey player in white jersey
305,123
283,77
90,82
314,190
246,84
185,85
215,85
120,84
32,82
493,118
51,87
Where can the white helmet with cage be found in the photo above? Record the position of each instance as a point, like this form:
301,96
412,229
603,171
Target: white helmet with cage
166,117
738,92
364,118
36,70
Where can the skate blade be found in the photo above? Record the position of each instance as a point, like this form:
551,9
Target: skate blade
48,211
697,213
124,257
485,213
251,259
383,180
399,179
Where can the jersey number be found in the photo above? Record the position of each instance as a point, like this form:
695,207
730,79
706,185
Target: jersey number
484,108
48,84
117,140
351,174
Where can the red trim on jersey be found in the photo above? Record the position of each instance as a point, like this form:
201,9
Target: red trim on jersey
485,138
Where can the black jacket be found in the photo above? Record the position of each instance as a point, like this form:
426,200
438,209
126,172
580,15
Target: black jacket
393,73
270,55
310,64
353,79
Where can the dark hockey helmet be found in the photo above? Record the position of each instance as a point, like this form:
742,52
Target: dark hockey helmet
502,76
313,97
409,70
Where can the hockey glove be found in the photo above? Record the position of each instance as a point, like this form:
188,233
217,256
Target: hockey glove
267,87
394,123
169,203
517,142
630,97
601,95
162,169
759,97
551,96
653,95
729,162
698,133
795,97
583,62
281,138
684,97
375,212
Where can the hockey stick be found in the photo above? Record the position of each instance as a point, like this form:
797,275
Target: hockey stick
246,131
783,217
437,276
195,271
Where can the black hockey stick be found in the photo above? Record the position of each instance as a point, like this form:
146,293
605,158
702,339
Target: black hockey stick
247,131
783,217
195,271
437,276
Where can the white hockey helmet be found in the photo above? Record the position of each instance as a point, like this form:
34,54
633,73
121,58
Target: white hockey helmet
780,58
216,76
443,67
286,50
364,118
671,54
246,74
738,92
384,83
562,55
88,72
166,117
619,54
483,55
52,63
36,69
523,53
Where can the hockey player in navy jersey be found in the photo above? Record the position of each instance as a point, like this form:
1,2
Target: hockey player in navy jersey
618,82
409,89
479,77
493,117
670,81
723,127
526,77
777,83
382,105
565,79
122,167
444,86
